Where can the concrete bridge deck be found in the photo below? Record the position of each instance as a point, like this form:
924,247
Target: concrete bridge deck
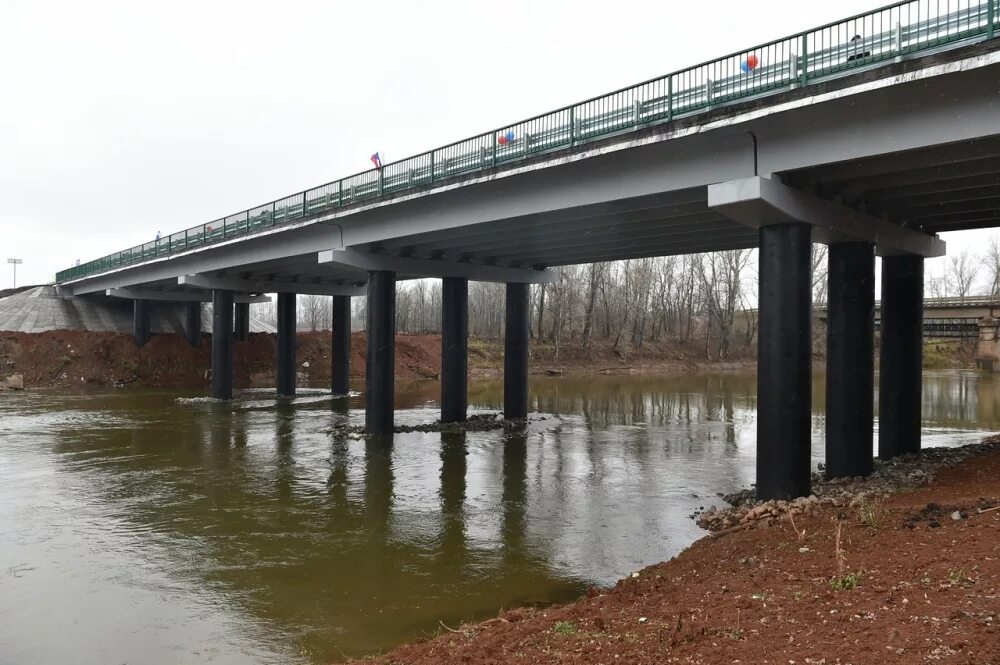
870,134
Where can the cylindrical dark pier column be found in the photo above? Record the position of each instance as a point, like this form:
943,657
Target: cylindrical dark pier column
850,362
140,321
899,391
287,318
515,353
222,344
340,357
241,317
192,323
454,349
381,352
784,380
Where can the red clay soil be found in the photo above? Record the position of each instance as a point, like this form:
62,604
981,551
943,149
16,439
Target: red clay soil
927,590
74,357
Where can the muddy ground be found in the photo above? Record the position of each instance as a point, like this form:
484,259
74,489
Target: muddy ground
72,357
915,581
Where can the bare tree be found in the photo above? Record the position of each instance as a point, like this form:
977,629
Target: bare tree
960,274
820,270
991,262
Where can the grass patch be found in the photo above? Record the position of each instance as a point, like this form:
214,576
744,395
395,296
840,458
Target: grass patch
870,511
846,582
564,628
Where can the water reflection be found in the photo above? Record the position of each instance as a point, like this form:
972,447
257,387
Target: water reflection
258,536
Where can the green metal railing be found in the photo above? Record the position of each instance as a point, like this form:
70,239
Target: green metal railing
901,29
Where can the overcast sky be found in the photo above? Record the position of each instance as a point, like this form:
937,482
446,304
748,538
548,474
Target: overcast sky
121,119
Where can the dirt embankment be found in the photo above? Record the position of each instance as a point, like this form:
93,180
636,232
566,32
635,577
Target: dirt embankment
70,357
917,580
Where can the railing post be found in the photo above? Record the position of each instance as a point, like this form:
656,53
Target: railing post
572,126
670,97
805,59
340,192
432,166
991,16
303,204
185,239
274,212
381,181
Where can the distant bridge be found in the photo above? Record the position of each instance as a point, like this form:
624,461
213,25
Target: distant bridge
944,318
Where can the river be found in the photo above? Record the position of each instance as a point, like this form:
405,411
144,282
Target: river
143,526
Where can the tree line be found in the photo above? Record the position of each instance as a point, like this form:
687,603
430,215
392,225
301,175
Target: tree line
707,301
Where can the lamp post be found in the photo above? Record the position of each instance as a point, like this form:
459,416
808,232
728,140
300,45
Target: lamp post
14,263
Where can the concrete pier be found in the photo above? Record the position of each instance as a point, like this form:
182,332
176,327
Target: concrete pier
140,321
381,353
784,381
192,323
241,319
850,363
515,355
287,318
222,344
899,392
454,349
340,356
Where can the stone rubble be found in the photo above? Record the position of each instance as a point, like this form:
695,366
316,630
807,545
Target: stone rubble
12,382
899,474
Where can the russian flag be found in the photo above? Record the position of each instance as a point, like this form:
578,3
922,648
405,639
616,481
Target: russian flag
377,161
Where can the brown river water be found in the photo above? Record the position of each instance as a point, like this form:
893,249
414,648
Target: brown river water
153,527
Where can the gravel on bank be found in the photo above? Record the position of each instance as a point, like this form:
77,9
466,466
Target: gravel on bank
905,472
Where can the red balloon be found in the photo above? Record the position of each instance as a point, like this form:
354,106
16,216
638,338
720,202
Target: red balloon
752,61
502,140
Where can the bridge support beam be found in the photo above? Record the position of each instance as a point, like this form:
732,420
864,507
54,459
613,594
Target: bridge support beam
241,318
381,352
222,344
140,321
515,353
192,323
899,393
340,356
850,371
287,318
454,349
784,380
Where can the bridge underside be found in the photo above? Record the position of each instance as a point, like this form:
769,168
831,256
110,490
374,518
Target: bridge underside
953,187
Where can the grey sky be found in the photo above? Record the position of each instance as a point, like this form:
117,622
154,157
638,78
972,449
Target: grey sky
121,119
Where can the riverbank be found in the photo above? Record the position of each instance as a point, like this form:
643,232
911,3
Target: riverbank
63,358
908,577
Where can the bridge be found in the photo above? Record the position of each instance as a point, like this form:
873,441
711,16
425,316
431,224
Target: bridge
944,318
871,134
